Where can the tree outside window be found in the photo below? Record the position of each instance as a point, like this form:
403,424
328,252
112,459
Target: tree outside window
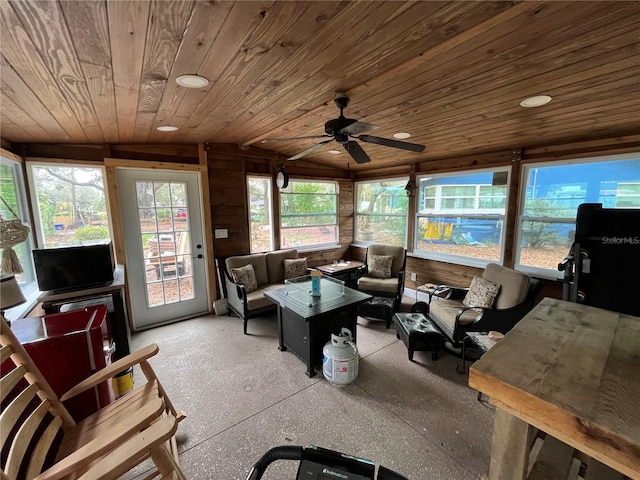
551,198
309,214
260,214
381,212
71,204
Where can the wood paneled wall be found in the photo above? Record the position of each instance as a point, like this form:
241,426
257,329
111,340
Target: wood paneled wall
228,164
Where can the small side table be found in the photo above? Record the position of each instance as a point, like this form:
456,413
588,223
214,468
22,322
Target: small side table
430,289
478,340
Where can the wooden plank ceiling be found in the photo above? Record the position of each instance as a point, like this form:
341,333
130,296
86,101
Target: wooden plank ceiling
450,73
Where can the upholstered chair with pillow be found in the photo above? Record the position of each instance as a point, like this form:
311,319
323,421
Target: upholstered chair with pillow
495,301
382,274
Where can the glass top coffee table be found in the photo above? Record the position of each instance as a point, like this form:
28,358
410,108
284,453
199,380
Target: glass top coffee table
305,322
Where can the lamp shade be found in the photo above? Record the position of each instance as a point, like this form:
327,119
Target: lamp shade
10,292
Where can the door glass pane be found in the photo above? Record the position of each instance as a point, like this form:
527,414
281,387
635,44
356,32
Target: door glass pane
164,236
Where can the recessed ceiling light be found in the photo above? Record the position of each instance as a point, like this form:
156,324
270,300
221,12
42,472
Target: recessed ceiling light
167,128
192,81
536,101
401,135
335,152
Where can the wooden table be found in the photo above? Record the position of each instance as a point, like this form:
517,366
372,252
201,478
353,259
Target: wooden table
344,271
572,371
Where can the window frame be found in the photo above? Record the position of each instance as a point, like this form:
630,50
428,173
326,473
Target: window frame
282,229
364,243
269,199
539,271
37,215
461,259
29,287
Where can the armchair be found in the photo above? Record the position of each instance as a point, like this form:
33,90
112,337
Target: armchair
383,280
515,298
39,438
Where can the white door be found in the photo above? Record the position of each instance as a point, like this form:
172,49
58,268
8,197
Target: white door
166,265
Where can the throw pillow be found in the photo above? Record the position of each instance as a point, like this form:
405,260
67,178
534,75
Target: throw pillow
482,293
379,266
295,267
245,276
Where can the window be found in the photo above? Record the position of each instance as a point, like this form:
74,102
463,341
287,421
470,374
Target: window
381,212
12,190
308,214
260,214
551,196
460,217
69,204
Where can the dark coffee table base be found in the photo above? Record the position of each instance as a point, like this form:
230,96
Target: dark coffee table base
418,334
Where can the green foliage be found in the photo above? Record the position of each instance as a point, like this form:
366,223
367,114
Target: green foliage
537,234
91,233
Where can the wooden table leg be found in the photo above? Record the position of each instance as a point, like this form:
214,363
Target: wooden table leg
510,447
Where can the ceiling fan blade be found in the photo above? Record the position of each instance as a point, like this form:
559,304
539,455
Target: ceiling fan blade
272,140
387,142
359,127
310,149
356,151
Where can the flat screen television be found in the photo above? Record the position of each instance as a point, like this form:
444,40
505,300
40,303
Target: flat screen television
74,268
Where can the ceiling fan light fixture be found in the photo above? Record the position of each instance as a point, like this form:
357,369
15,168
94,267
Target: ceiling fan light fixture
167,128
335,152
401,135
192,81
535,101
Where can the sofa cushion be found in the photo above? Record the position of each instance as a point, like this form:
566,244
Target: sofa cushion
446,310
295,267
481,293
246,276
259,262
514,285
275,264
258,300
369,284
379,266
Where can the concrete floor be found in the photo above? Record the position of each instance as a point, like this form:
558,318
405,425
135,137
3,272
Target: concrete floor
243,396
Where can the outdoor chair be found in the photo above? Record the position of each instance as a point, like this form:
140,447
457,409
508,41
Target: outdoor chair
496,301
382,274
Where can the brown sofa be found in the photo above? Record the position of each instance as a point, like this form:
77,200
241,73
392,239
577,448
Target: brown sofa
269,271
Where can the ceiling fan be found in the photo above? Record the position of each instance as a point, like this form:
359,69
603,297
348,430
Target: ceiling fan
343,129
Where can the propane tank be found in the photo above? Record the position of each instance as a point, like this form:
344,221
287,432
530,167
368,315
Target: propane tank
340,359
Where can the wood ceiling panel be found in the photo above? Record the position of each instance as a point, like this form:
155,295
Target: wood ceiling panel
128,23
164,37
19,124
87,23
47,26
15,90
450,73
18,50
226,45
203,28
431,31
